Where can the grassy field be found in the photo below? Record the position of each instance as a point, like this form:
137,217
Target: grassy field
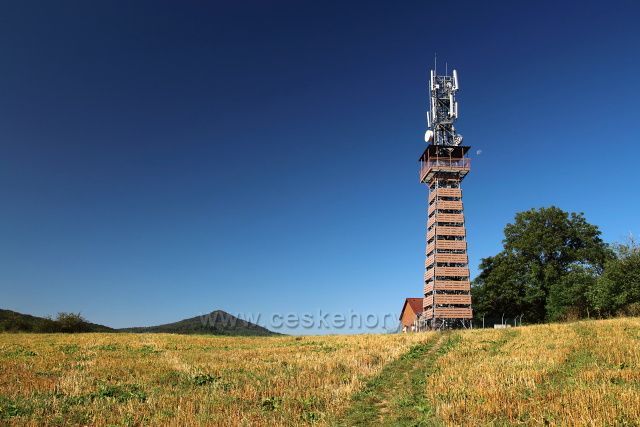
584,373
129,379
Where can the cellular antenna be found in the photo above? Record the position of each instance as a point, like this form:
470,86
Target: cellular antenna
443,108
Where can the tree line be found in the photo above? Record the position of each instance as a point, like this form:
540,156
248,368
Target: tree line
11,321
555,266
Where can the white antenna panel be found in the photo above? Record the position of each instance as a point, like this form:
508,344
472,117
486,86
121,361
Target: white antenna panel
451,107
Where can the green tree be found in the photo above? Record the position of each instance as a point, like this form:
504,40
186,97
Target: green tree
617,291
497,291
71,322
568,299
544,252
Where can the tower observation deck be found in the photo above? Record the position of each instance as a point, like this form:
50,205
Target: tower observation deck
443,166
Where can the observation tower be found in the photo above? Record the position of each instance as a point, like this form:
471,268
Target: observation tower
443,166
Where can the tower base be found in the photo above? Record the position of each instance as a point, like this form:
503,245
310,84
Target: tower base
444,324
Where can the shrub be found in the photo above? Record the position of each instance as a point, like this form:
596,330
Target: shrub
72,323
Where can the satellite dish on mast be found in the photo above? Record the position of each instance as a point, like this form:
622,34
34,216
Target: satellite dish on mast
428,136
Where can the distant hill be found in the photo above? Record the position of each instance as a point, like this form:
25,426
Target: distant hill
12,321
217,323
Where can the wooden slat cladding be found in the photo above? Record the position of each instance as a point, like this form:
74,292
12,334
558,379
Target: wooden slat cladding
452,285
430,247
441,299
450,313
430,260
445,218
447,285
428,301
449,205
452,271
428,274
428,287
448,244
452,299
452,205
450,231
454,313
460,258
445,192
442,217
448,192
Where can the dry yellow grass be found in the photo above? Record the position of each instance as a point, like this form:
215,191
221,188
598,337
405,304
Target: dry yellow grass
584,373
159,379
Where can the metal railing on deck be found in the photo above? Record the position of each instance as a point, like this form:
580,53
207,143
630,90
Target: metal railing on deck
444,163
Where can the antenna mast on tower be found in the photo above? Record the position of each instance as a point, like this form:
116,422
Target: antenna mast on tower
443,110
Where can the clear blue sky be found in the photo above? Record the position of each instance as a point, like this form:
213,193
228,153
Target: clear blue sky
159,160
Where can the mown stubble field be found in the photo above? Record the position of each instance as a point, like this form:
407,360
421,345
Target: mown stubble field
160,379
583,373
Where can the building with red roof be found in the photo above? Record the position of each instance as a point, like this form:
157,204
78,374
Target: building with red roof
410,313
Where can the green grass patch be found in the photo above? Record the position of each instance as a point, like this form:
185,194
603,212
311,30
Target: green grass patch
107,347
10,408
397,395
410,406
205,379
494,347
119,392
15,352
147,350
579,358
69,349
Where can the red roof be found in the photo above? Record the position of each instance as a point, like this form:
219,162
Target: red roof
414,303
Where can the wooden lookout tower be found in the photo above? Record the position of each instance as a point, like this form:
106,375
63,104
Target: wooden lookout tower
443,166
